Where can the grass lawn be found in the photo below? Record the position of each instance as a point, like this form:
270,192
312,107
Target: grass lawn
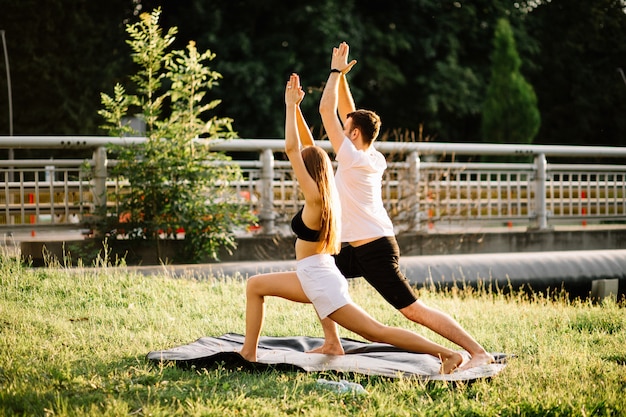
75,344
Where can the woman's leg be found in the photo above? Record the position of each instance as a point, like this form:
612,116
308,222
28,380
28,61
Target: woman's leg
353,318
281,284
332,341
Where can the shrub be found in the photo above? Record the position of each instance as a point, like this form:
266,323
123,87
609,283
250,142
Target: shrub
173,182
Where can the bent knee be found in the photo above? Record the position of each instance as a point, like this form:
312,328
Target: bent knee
253,284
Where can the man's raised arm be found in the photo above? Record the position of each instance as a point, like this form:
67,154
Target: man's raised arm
330,97
346,102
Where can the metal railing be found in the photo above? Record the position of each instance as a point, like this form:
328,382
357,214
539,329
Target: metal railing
423,187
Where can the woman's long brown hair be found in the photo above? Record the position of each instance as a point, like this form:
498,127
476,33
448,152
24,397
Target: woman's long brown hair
319,167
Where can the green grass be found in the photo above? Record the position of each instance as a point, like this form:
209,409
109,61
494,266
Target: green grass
74,344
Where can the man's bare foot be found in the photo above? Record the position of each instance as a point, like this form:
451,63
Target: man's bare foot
329,349
450,363
478,360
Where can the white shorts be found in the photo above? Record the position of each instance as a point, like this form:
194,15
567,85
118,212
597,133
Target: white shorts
323,284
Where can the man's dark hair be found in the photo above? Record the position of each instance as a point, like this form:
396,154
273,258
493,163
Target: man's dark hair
367,122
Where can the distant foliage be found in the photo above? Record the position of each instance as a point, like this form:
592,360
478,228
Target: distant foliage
510,113
421,63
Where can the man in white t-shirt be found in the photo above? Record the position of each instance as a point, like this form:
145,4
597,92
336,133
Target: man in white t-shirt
371,250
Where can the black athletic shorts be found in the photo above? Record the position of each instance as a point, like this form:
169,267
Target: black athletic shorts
378,263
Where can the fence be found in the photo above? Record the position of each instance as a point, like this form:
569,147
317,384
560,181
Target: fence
424,186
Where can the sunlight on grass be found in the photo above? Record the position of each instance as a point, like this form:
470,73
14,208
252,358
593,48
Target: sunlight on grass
74,344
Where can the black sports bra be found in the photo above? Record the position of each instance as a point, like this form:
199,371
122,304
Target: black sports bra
302,231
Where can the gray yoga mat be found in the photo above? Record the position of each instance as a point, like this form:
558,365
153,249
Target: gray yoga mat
289,354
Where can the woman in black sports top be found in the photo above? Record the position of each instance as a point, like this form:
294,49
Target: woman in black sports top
302,231
317,227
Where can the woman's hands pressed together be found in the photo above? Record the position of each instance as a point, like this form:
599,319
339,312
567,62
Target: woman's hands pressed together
294,94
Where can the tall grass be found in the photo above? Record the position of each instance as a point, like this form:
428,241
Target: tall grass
74,344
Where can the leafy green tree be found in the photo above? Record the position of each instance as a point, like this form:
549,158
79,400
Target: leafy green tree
421,62
175,180
259,43
61,55
510,113
582,96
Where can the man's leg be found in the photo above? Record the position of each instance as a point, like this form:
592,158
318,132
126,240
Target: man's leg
444,325
380,262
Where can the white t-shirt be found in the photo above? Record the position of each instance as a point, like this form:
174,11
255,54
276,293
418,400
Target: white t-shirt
359,182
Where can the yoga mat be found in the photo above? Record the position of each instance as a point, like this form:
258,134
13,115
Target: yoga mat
289,354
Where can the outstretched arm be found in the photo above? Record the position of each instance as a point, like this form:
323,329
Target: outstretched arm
306,137
330,97
346,102
293,118
293,97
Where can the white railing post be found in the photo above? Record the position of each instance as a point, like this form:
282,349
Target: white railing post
49,178
541,212
413,161
266,212
100,178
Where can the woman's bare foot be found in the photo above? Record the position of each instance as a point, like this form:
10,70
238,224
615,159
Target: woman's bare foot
329,349
450,363
478,360
249,356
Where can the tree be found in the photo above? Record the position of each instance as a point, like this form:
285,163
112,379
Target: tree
582,97
62,54
175,180
421,62
259,45
510,113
